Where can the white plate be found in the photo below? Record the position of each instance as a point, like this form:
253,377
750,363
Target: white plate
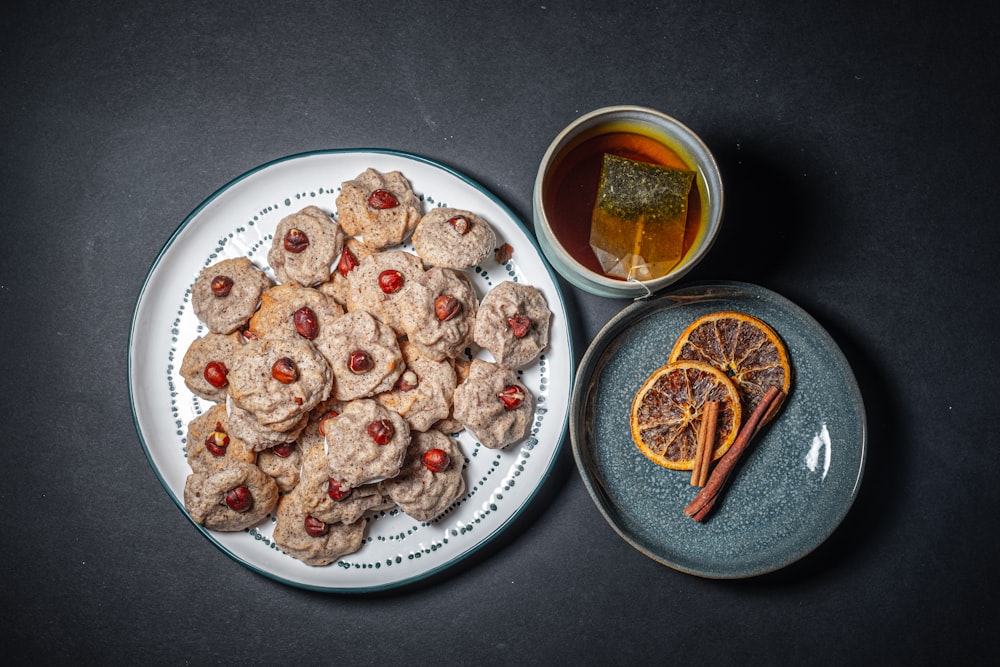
239,220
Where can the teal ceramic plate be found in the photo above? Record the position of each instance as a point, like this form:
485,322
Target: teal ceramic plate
794,485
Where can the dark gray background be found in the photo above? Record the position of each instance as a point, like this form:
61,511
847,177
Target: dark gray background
858,147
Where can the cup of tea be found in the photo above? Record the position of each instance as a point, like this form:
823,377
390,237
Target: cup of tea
643,152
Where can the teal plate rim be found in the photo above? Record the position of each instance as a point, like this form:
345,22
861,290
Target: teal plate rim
793,487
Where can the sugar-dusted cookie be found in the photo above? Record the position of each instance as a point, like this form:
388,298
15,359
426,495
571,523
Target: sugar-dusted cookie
422,394
323,497
453,238
365,443
431,478
207,363
310,540
363,355
305,246
209,443
439,312
513,324
279,380
494,405
381,281
379,207
226,294
230,498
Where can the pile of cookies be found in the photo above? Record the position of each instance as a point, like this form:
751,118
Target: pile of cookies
336,388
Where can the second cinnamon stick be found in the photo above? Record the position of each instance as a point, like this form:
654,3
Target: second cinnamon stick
711,423
706,442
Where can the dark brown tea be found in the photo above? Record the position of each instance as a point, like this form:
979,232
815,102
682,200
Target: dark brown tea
570,189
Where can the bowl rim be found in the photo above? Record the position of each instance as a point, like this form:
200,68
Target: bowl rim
696,151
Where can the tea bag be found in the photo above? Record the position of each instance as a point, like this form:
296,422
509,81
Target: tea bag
639,218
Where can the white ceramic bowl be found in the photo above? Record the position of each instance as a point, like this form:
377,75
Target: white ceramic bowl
668,131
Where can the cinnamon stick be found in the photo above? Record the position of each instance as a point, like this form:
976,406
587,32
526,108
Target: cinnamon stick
702,504
710,444
699,452
706,443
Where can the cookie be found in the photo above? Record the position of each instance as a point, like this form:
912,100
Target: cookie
227,293
230,498
365,443
381,208
244,425
337,285
449,425
322,496
381,281
439,311
431,478
513,324
291,311
310,540
209,443
279,380
304,247
207,363
422,394
453,238
494,405
363,355
314,433
281,463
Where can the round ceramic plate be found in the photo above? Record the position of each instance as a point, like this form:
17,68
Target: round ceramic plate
793,486
239,220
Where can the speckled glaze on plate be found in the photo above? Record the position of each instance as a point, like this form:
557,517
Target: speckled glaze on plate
794,485
239,220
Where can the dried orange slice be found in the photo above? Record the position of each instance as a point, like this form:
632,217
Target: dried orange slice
744,347
667,412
